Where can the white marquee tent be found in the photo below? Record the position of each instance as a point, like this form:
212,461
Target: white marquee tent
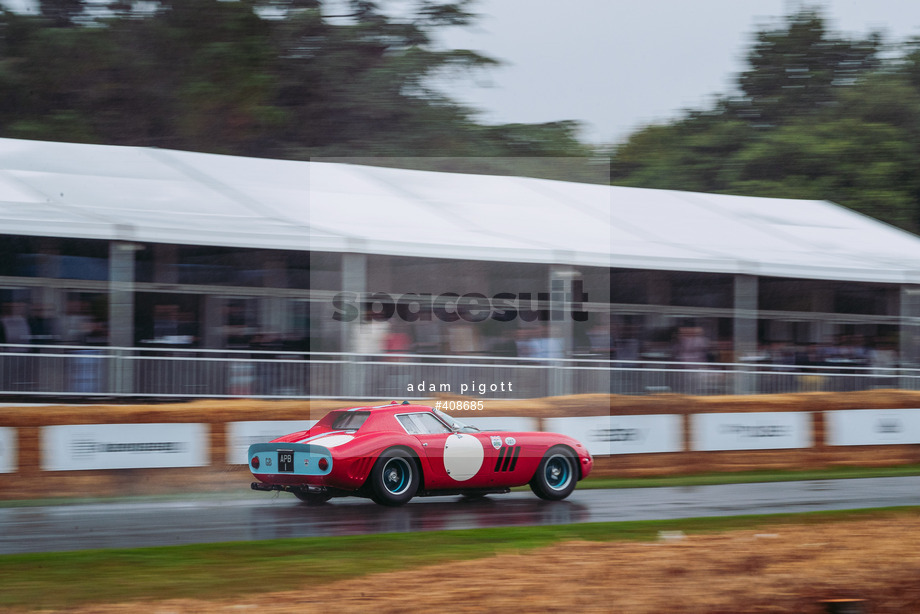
163,196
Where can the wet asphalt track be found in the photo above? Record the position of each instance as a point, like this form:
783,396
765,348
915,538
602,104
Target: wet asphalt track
256,516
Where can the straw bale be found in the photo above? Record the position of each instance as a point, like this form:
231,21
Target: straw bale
783,568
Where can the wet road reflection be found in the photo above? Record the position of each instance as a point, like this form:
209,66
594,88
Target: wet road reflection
441,514
125,525
252,516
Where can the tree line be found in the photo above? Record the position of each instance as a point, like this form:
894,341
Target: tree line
817,115
268,78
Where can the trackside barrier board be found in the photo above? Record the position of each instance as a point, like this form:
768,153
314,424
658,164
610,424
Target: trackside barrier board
751,431
605,435
8,450
241,435
872,427
499,423
124,446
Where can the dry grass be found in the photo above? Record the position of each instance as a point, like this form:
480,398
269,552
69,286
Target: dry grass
784,569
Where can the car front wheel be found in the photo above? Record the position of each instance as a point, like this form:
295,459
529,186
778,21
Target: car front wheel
556,475
394,478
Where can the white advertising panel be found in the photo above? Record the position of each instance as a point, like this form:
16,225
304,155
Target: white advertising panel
872,427
751,431
124,446
8,450
497,423
241,435
604,435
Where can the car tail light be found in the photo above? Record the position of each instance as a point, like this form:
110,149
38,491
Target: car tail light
323,464
255,462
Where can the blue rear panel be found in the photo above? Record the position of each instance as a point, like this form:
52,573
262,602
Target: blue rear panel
305,460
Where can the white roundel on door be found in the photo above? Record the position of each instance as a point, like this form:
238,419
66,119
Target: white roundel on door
463,456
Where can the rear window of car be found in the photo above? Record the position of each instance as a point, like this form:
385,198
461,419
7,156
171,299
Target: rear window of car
350,420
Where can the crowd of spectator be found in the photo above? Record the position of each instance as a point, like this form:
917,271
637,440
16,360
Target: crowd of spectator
171,326
21,324
690,344
79,332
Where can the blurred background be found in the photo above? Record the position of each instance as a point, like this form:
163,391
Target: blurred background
812,114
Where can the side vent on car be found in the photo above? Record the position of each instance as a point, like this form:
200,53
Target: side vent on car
360,468
507,458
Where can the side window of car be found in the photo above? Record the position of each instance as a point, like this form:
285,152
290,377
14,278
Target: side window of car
430,424
409,424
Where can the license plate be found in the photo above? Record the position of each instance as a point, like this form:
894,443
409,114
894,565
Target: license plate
286,460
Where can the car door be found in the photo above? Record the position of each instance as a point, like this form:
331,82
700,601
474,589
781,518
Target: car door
452,460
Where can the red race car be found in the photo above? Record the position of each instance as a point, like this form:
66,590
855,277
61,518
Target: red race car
394,452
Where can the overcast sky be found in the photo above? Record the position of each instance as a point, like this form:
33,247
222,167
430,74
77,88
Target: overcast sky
616,65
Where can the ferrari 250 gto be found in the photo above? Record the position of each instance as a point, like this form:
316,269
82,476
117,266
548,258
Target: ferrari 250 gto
391,453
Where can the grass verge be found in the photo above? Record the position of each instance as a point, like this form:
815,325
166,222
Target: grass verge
69,579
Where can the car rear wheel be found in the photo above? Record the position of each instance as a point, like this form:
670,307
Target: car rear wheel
556,475
395,478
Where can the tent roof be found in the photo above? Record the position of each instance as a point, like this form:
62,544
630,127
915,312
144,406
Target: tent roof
163,196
